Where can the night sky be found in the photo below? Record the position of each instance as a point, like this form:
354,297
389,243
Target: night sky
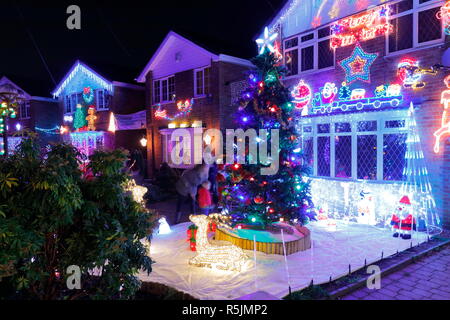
117,38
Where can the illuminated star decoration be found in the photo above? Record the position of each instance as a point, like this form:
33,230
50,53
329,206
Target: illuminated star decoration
357,66
316,22
267,41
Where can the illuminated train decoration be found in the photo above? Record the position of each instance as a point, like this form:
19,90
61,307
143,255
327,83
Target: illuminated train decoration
386,97
366,104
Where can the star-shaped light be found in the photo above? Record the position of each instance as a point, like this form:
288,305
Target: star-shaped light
357,66
317,21
267,41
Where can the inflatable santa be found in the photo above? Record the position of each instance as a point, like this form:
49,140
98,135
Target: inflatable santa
403,221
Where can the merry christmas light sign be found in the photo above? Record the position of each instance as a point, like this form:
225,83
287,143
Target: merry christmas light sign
361,27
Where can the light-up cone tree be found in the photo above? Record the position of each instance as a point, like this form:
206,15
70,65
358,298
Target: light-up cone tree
416,182
258,200
10,97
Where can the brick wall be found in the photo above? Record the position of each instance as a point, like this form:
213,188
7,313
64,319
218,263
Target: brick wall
44,114
214,111
426,101
124,101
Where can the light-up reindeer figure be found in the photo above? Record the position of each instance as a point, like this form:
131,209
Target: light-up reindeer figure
222,257
445,121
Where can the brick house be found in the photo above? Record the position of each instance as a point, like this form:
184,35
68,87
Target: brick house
114,101
187,87
357,142
35,113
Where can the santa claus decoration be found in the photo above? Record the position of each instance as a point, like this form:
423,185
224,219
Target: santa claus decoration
402,221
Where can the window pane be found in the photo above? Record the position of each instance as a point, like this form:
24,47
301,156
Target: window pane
206,84
172,88
394,148
343,156
307,129
400,7
326,54
73,102
323,156
307,37
199,82
342,127
308,150
324,32
157,91
401,37
395,124
291,43
291,62
307,58
323,128
367,156
68,108
165,92
429,26
364,126
100,99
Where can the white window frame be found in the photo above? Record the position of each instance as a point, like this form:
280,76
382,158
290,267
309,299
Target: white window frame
381,117
99,107
196,95
415,12
292,49
313,42
196,151
160,80
25,106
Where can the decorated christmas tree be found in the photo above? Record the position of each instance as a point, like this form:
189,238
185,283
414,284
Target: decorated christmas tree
254,199
344,92
79,120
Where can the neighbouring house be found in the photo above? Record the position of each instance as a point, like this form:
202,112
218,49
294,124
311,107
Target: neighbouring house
34,113
187,87
96,112
355,69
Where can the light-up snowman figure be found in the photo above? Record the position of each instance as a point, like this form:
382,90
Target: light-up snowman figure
366,209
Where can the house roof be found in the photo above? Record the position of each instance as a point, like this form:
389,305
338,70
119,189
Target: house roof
80,66
169,40
77,67
5,81
297,16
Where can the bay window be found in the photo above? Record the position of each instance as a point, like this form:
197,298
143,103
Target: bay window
368,146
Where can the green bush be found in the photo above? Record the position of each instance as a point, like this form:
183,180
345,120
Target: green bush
312,292
52,217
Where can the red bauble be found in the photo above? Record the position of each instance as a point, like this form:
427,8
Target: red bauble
302,95
258,199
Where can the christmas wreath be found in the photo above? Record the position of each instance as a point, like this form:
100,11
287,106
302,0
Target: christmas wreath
88,95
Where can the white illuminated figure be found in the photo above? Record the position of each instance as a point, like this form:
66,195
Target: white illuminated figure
445,121
366,209
222,257
164,227
267,41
